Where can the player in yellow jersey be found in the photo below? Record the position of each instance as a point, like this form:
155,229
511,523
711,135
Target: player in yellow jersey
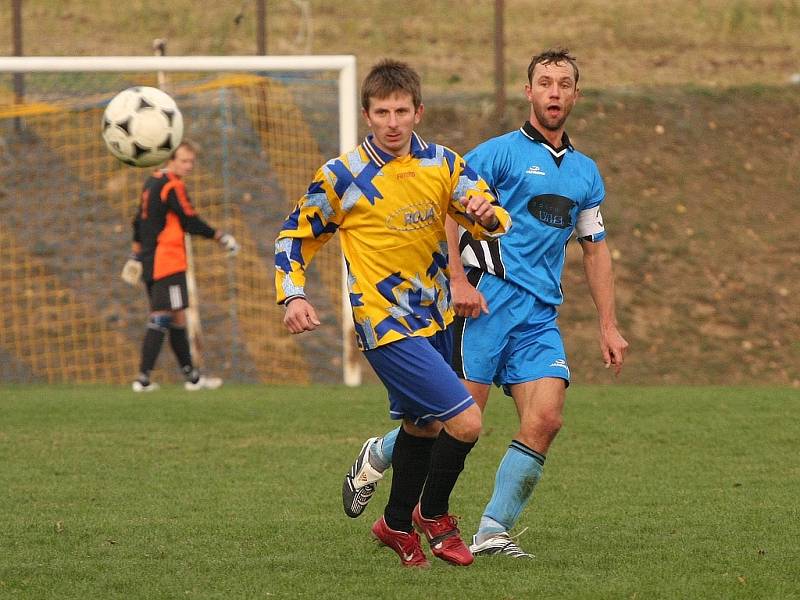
388,198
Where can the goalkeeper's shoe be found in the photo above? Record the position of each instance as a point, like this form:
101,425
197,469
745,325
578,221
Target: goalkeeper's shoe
203,383
361,481
499,543
149,386
406,545
444,537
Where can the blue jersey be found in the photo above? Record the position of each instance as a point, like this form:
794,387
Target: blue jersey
547,192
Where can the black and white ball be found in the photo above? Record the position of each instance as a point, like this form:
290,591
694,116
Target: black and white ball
142,126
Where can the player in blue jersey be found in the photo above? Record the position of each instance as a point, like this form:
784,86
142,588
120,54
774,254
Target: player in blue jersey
389,199
507,293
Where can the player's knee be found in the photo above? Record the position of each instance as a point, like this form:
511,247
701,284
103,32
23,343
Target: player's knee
546,424
160,321
465,426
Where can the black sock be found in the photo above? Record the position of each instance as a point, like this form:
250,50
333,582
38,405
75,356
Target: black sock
410,461
179,342
151,347
447,462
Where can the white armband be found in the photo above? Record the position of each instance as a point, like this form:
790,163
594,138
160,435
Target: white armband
589,225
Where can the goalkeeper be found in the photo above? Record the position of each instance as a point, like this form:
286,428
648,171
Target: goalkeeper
164,215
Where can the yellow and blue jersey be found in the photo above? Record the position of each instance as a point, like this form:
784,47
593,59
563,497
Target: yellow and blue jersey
390,213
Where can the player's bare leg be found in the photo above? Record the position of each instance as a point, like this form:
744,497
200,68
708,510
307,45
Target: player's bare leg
539,405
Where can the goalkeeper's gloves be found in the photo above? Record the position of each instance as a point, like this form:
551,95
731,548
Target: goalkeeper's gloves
132,271
229,243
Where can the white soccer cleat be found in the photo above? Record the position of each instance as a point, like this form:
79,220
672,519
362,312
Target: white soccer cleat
204,383
360,482
138,386
499,543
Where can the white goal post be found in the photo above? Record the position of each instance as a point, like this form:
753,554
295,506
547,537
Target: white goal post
348,110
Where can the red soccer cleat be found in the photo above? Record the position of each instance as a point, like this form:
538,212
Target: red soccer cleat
406,545
444,537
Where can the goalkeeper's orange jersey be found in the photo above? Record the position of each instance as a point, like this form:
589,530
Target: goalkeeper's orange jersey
390,213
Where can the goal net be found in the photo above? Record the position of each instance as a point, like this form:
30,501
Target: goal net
264,125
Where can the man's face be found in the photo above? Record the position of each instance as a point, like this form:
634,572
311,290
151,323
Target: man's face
183,163
392,120
552,94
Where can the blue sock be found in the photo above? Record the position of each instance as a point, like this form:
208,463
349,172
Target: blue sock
380,455
516,478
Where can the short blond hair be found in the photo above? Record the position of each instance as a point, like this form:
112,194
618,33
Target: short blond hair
190,145
390,76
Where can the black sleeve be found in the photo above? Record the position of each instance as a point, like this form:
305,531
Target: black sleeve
190,221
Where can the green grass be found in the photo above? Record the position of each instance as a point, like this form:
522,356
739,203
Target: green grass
649,492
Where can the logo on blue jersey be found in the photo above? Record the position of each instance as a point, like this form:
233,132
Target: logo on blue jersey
412,217
535,170
552,210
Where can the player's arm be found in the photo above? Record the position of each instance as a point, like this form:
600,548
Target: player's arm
191,222
314,220
474,207
467,301
178,200
600,278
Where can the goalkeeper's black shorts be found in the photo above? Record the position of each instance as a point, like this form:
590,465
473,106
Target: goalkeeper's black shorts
169,293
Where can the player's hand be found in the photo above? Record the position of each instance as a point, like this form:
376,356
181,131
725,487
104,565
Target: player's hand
229,243
467,300
132,271
480,209
300,316
613,346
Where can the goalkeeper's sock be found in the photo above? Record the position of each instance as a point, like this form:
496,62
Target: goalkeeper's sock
179,342
191,374
516,478
151,347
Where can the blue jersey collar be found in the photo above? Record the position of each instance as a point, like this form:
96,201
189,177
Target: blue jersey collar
533,134
530,132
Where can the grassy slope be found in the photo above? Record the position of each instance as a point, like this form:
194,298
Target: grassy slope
625,42
668,492
702,189
701,215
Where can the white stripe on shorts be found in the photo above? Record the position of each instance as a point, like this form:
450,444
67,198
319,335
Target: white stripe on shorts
175,298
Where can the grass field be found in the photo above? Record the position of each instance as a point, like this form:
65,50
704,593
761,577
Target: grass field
649,492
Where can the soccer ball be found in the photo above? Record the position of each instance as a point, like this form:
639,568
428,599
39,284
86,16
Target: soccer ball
142,126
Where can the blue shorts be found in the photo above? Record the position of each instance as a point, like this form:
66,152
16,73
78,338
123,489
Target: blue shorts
518,341
422,386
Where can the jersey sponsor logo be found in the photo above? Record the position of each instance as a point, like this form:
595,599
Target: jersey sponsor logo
552,210
413,216
406,174
535,170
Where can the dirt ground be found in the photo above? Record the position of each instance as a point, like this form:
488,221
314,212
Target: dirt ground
701,211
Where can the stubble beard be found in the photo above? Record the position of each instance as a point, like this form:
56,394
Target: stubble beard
549,123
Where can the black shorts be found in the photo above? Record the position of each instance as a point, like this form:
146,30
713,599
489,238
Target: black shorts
169,293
